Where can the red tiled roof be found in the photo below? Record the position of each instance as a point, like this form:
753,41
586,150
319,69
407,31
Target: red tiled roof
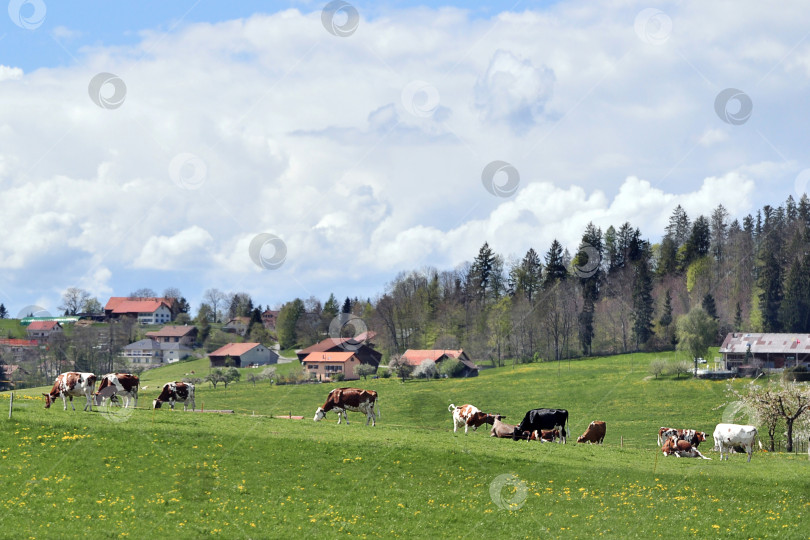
139,306
324,345
329,357
172,331
115,301
417,356
19,342
43,325
234,349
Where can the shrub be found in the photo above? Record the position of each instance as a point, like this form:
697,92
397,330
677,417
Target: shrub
365,370
682,366
385,373
451,367
337,377
425,370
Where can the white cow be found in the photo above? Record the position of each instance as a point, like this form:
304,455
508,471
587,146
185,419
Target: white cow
728,435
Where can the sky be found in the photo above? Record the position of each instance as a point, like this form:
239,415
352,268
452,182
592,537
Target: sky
297,149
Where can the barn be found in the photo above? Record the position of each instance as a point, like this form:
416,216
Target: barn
765,350
243,355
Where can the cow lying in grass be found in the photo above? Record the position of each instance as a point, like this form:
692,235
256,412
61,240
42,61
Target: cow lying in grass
680,448
502,430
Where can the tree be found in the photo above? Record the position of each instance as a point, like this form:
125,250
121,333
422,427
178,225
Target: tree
696,333
215,377
400,367
658,367
738,319
143,292
642,301
778,401
3,312
770,296
92,305
269,373
425,370
365,370
709,305
681,367
347,306
214,298
794,310
719,231
451,367
73,299
555,266
678,228
230,375
588,267
287,321
330,309
172,292
527,277
482,272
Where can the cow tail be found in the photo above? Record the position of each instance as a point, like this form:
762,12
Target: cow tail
451,408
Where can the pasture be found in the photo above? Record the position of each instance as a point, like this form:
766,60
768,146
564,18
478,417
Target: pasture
144,473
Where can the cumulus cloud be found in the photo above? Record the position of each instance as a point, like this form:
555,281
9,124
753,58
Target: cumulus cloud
177,252
514,91
10,73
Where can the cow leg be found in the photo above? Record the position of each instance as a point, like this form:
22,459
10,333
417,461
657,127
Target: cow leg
71,403
89,403
750,450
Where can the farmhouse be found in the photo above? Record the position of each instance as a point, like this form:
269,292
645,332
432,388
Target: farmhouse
146,352
767,350
146,310
324,365
361,350
269,317
243,355
42,330
416,356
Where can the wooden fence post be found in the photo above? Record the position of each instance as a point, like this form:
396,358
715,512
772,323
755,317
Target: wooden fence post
621,441
10,404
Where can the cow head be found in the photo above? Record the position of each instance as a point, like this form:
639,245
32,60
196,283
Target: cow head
156,404
48,400
319,414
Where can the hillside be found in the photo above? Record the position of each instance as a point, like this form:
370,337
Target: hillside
185,474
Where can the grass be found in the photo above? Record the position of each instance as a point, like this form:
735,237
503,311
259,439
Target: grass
151,473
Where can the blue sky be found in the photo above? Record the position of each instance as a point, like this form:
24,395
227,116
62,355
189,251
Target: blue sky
150,144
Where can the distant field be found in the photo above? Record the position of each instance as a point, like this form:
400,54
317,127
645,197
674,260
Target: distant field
157,473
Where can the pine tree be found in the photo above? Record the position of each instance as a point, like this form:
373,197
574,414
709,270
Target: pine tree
481,272
709,305
793,311
679,226
588,266
527,277
668,257
555,265
642,301
347,306
331,308
611,249
719,231
666,312
770,297
3,312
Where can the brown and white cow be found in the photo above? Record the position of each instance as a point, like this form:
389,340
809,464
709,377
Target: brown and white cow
176,391
118,384
594,434
692,436
469,416
680,448
70,384
545,435
342,400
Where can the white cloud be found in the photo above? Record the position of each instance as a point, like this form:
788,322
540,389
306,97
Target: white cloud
8,73
176,252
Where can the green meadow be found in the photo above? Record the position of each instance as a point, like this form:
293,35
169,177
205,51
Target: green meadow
154,474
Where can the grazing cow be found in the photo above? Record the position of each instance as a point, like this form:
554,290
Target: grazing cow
690,435
594,434
342,400
118,384
70,384
540,419
681,448
728,435
176,391
502,430
469,416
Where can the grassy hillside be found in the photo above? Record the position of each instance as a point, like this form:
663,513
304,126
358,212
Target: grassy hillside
147,473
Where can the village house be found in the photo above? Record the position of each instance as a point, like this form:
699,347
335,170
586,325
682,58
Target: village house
324,365
184,335
43,330
145,310
415,357
243,355
364,353
145,352
269,318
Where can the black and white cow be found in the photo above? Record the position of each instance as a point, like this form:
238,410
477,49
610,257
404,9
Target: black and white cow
176,391
540,419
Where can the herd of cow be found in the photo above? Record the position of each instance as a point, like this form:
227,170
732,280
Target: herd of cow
75,384
544,425
548,425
